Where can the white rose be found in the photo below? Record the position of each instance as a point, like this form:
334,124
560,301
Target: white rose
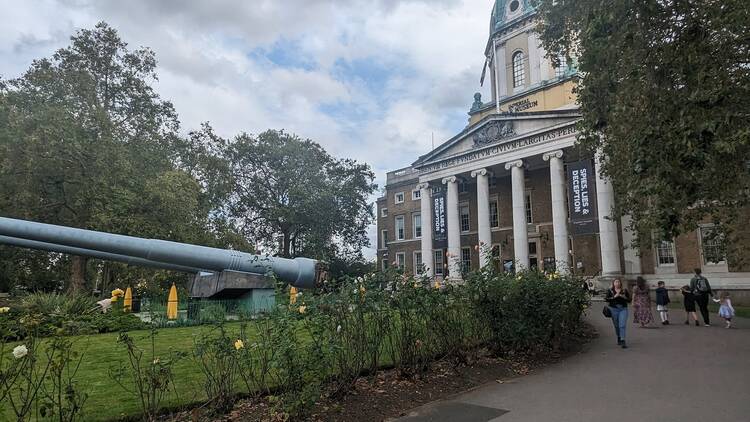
338,329
20,351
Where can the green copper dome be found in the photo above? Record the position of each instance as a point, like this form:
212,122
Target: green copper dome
505,12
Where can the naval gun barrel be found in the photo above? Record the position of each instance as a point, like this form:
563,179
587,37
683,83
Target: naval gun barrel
300,272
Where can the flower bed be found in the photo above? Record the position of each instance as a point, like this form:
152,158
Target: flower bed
326,340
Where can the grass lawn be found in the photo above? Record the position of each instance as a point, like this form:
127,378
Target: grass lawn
713,308
106,399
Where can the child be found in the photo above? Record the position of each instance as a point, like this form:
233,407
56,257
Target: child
726,310
662,300
689,302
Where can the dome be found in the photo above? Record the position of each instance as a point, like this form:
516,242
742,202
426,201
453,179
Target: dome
506,11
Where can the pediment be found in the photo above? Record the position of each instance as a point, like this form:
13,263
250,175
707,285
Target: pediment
496,130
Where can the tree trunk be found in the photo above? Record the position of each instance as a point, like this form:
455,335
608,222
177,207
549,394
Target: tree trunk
78,274
287,246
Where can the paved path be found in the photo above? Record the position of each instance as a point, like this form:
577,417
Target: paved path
670,373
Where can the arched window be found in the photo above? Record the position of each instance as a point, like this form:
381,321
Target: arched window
518,69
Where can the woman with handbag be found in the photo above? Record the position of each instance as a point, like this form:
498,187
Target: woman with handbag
617,299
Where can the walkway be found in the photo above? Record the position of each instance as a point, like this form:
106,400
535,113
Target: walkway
669,373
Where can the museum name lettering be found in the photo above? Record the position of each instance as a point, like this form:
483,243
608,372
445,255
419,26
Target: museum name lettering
499,149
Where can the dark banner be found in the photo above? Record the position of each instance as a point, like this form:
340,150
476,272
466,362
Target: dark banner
439,221
582,198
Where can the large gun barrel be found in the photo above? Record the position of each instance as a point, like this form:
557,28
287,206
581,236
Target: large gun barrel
300,272
129,260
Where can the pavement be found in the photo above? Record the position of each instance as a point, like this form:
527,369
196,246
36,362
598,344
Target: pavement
669,373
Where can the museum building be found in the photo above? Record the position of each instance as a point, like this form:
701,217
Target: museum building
512,189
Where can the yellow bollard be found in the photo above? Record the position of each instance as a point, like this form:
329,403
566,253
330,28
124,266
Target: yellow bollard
172,303
127,304
292,295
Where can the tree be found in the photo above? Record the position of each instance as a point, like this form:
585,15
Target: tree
86,142
665,97
292,197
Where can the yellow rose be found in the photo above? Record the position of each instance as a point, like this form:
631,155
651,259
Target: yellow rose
302,309
4,310
239,344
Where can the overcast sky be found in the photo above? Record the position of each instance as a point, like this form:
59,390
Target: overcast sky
370,80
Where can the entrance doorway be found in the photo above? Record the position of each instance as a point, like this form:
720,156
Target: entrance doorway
533,257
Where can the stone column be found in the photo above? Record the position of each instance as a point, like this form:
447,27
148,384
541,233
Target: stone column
426,216
520,231
608,241
483,215
559,213
454,228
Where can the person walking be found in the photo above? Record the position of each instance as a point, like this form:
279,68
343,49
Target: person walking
662,300
688,301
701,290
617,299
642,303
726,310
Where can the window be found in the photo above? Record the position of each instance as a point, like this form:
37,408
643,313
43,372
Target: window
713,246
399,198
417,225
463,187
384,264
400,260
532,248
548,264
529,215
418,269
464,217
465,260
439,262
560,70
518,69
665,253
384,212
400,227
384,239
416,194
494,216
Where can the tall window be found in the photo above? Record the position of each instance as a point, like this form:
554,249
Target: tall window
400,227
665,253
384,264
416,194
465,260
416,220
560,70
494,216
418,263
438,262
398,198
400,260
464,216
384,212
518,69
713,246
529,215
463,187
383,239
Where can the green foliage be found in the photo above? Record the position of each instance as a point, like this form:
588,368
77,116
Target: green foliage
63,398
664,95
216,356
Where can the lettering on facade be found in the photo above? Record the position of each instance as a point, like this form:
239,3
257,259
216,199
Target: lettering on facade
493,132
439,227
522,105
581,197
499,149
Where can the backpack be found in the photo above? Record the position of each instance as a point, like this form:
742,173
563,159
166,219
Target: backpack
701,285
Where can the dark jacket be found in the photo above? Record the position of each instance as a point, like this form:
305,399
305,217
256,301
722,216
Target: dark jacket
662,296
694,286
622,300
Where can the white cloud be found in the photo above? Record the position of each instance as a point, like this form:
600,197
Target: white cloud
215,64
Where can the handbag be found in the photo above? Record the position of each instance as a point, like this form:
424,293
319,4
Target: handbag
606,312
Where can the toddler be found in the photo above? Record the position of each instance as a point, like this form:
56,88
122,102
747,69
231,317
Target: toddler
726,311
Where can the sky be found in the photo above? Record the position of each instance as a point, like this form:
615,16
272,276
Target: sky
369,80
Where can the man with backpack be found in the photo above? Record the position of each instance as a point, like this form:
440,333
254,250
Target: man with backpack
701,290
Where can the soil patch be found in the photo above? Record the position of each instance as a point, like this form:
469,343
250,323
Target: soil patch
387,395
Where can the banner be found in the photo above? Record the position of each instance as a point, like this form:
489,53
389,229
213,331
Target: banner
582,198
439,221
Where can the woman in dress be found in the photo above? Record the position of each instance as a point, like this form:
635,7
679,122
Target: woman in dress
642,303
